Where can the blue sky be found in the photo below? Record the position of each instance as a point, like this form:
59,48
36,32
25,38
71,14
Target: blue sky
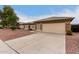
37,10
34,12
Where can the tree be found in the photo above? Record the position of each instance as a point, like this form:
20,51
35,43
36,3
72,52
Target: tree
1,19
9,17
1,15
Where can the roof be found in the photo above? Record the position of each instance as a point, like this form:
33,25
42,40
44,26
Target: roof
52,19
56,19
22,23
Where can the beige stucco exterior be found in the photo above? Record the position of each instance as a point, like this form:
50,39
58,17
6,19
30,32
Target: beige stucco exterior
59,25
38,27
48,27
54,28
68,26
26,27
21,26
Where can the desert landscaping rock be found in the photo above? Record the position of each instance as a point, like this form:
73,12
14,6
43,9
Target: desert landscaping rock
72,44
8,34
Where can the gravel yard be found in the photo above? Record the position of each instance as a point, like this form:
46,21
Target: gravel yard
72,43
8,34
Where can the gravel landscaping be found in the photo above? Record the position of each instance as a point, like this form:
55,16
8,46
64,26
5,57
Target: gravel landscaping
8,34
72,44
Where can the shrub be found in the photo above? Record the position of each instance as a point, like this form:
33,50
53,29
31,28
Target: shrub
13,28
69,32
1,27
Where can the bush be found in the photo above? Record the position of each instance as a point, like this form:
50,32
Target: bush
13,28
1,27
69,32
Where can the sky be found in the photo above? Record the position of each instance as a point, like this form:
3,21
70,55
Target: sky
28,13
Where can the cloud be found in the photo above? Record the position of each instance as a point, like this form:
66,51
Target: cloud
65,12
74,13
25,18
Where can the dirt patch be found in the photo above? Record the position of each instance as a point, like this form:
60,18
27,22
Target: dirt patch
8,34
72,43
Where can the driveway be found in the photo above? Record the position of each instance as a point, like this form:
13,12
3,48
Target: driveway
5,49
38,43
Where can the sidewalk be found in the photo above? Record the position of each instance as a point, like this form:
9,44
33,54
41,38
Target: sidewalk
4,49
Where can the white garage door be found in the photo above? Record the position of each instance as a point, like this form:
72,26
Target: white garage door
54,27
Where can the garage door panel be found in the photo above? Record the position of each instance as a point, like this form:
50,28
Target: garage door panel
54,28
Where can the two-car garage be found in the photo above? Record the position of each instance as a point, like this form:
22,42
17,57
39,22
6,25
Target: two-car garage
53,28
57,25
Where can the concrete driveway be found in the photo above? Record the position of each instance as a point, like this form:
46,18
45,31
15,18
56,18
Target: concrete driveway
38,43
5,49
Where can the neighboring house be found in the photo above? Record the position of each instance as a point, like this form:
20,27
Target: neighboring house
49,25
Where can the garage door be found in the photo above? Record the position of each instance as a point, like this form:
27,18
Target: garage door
54,27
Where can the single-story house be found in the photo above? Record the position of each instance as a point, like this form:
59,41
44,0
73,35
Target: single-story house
49,25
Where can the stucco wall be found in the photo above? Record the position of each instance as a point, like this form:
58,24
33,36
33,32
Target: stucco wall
49,27
68,26
21,26
26,27
38,27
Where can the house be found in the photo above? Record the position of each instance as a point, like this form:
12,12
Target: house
49,25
